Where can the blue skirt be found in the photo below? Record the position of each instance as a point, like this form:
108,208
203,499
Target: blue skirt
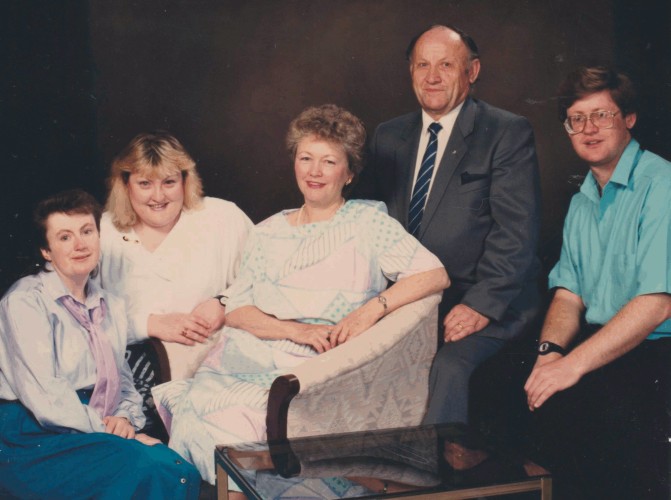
37,463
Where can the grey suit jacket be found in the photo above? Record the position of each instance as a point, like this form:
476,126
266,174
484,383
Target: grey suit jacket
482,215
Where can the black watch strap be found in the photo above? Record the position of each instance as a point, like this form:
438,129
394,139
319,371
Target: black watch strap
548,347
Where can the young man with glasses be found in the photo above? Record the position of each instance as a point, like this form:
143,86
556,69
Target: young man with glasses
600,382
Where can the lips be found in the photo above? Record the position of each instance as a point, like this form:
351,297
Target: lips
81,258
315,185
158,206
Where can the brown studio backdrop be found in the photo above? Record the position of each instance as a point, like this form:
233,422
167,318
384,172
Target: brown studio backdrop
227,77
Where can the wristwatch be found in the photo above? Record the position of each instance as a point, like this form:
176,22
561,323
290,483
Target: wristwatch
548,347
383,300
222,299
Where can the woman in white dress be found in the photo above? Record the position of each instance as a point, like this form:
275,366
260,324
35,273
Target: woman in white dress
311,279
170,253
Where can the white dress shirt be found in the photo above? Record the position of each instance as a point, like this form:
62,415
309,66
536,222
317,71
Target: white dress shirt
447,122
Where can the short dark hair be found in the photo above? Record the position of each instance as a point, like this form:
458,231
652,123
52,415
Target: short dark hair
73,201
586,80
465,37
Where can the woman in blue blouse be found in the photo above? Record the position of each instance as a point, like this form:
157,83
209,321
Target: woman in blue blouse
68,408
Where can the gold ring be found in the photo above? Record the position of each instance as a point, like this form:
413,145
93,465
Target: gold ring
461,327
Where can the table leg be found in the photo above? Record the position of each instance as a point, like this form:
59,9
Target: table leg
222,483
546,488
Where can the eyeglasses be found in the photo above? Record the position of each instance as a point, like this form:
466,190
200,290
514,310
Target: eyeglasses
601,119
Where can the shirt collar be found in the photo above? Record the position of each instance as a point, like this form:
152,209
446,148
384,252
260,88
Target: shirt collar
447,121
55,288
621,174
625,166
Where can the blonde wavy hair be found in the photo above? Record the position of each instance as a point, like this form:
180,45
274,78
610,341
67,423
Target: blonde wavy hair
152,155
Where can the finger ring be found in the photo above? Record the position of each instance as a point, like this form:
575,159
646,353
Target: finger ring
329,332
461,327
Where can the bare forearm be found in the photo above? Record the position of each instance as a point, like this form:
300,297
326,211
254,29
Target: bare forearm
562,322
627,329
260,324
416,287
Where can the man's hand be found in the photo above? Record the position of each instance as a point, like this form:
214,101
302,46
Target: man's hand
211,311
119,426
178,327
463,321
552,373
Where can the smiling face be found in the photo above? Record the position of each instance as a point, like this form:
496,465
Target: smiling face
157,199
601,148
74,246
441,71
321,170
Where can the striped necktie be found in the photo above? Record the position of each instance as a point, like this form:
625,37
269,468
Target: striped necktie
421,190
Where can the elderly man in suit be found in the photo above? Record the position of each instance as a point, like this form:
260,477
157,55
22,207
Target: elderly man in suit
462,176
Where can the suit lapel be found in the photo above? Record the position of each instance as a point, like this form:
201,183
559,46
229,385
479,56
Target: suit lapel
454,151
406,157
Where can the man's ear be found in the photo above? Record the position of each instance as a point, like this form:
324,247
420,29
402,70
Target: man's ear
630,120
474,70
46,254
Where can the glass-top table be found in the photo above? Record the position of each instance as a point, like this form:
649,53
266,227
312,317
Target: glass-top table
447,461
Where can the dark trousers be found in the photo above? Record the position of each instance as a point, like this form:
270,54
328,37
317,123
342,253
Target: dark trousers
607,437
450,376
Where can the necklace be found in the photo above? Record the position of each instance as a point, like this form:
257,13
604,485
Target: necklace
299,219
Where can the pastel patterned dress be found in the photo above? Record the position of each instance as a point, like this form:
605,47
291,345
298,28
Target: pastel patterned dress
315,273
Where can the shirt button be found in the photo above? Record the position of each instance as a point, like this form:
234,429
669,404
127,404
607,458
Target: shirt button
178,462
183,480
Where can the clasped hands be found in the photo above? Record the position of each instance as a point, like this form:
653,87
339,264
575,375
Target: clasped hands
188,328
323,338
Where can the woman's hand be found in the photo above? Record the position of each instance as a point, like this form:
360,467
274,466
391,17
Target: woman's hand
316,336
179,327
356,322
119,426
211,311
148,440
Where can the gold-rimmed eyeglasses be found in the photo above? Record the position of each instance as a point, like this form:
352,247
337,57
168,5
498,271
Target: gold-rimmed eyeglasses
602,119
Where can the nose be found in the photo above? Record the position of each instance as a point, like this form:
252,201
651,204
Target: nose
590,128
157,193
315,169
433,75
80,242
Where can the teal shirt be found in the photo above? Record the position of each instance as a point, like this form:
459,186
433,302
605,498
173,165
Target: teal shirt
618,246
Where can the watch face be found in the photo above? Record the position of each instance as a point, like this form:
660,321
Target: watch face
543,347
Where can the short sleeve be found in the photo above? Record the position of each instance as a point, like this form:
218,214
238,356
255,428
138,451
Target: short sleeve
565,272
399,254
653,256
